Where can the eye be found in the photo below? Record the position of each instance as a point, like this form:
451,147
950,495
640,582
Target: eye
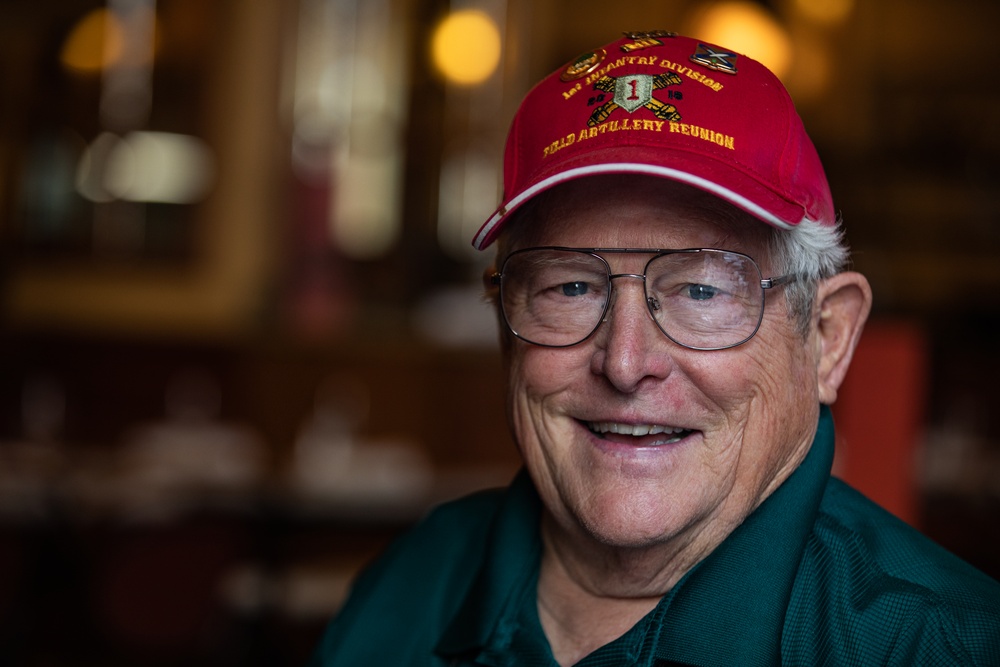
578,288
701,292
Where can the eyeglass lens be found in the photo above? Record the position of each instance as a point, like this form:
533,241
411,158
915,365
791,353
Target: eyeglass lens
703,299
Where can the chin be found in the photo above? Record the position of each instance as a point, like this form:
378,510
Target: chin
633,523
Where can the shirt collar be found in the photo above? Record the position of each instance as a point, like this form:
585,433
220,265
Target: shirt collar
729,609
486,618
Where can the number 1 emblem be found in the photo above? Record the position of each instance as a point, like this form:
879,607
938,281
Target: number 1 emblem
632,92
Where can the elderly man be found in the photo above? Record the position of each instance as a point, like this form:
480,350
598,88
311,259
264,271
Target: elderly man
676,318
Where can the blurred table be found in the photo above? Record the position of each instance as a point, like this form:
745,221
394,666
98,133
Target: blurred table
106,561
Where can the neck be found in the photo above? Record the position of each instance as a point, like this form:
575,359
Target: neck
577,620
589,595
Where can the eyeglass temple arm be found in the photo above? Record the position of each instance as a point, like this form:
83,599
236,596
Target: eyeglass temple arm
778,281
491,279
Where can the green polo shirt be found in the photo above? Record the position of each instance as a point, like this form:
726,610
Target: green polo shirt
817,575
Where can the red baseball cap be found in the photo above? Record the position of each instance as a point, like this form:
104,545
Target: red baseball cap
660,104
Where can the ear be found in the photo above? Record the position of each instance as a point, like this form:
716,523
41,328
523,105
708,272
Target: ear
843,304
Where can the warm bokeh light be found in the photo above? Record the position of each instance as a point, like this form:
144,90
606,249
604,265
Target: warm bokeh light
161,167
828,12
104,39
466,47
146,167
95,42
748,28
810,79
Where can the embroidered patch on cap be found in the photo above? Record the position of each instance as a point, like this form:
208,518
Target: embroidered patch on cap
584,65
718,60
645,40
634,92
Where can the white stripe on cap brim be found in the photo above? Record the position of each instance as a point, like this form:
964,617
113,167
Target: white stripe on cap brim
734,198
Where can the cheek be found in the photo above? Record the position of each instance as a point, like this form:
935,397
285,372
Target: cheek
781,406
539,382
783,368
727,380
759,389
537,379
537,373
787,378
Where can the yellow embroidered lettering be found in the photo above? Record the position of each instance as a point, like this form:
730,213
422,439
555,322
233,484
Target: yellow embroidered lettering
557,146
572,91
718,138
641,124
692,74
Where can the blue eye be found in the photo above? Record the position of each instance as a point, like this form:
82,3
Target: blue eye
701,292
575,289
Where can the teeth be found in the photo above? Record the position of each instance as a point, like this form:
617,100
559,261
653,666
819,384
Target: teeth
633,429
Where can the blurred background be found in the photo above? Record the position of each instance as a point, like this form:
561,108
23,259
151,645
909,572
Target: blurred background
242,339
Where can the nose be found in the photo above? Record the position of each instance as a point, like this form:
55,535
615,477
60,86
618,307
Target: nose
630,348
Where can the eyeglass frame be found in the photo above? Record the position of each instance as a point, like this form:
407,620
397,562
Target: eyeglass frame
495,279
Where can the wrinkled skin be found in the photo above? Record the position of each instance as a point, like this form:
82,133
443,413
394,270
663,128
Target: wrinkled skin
626,516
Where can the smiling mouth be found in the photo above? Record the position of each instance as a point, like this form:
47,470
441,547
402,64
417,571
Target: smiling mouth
644,434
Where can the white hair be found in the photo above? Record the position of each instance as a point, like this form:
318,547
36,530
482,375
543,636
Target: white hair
812,252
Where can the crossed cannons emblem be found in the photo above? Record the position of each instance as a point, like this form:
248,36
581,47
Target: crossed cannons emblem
632,92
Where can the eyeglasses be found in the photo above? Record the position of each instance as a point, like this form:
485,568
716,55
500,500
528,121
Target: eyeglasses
702,299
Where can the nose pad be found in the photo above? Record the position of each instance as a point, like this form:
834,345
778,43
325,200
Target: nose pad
612,298
651,302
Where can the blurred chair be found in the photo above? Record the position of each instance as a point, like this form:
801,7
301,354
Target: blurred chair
880,414
156,591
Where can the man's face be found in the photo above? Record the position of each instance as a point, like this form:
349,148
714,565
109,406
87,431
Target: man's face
734,422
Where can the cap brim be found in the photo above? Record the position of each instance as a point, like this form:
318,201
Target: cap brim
739,188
